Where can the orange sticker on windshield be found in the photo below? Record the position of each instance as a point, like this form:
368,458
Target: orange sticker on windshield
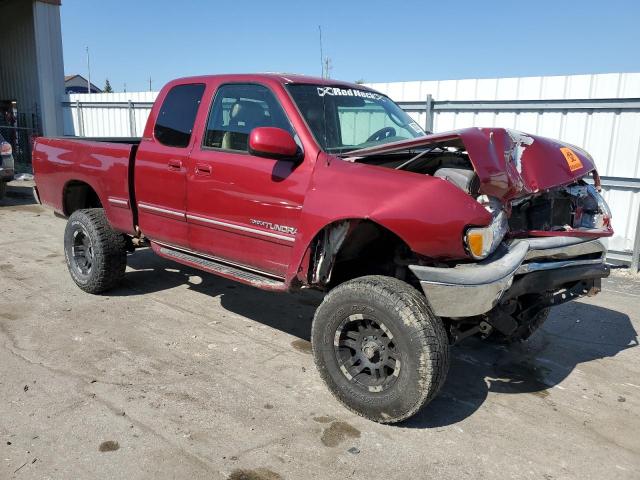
572,159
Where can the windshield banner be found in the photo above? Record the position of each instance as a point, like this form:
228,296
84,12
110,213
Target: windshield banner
348,92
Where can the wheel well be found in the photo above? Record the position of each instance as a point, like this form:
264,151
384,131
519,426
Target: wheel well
365,248
78,195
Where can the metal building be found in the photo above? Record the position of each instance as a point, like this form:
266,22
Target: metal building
78,84
31,71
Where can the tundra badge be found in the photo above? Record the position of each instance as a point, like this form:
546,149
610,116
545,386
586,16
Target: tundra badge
275,226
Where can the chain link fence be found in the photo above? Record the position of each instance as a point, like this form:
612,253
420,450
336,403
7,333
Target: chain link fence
21,140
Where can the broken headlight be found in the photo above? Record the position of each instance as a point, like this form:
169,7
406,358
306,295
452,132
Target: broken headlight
482,241
592,210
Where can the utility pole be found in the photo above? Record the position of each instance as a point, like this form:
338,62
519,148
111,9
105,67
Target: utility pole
149,82
321,54
88,71
325,62
125,87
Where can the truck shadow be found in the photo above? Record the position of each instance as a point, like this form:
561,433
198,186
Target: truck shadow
575,333
291,314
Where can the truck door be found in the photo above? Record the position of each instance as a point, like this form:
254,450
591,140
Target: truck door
240,207
161,166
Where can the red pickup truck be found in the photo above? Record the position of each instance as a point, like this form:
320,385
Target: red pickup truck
286,182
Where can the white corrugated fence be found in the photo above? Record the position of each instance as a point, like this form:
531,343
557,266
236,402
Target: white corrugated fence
107,114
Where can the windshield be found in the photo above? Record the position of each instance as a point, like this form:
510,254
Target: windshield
345,119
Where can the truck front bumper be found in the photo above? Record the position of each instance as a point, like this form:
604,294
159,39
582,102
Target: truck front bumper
534,264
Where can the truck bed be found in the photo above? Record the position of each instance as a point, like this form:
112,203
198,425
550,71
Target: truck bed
67,164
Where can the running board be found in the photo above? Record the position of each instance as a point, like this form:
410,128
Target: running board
218,267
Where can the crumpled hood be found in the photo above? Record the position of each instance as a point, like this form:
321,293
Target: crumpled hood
509,163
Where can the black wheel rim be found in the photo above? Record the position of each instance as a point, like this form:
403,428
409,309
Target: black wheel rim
82,252
367,353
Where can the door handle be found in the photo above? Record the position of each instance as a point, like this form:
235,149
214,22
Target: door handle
203,169
174,164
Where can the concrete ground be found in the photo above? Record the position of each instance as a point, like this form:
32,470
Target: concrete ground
180,374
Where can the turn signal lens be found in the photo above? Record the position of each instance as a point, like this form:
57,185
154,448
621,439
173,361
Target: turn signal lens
475,241
481,242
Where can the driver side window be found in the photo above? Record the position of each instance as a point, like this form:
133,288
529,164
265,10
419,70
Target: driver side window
239,108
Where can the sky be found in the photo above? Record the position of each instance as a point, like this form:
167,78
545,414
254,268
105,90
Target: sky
375,41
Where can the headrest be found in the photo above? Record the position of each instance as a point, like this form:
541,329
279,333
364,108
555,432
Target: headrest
314,114
246,113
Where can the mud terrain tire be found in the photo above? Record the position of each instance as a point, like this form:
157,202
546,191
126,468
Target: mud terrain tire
95,253
379,348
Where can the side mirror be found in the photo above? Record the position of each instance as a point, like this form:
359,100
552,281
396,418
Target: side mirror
272,142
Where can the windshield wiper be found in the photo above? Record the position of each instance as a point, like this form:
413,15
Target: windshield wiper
340,150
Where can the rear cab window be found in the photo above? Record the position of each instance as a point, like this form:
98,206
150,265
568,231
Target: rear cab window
177,115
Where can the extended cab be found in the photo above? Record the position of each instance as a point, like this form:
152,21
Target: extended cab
287,182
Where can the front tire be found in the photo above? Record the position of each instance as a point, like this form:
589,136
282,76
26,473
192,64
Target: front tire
379,348
95,253
3,189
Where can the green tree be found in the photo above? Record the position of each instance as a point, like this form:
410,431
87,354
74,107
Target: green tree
107,87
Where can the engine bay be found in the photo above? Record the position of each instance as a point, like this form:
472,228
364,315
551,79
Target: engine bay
448,160
578,206
575,207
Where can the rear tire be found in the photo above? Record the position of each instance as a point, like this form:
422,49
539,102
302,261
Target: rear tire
95,253
3,189
379,348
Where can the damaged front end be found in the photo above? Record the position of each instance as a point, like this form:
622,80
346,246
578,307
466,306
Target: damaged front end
575,210
543,244
521,279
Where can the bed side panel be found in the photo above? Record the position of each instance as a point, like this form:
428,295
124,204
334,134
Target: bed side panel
103,166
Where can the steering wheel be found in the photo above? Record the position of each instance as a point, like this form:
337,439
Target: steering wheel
382,134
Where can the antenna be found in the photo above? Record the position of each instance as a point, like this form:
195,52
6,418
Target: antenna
149,82
327,67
